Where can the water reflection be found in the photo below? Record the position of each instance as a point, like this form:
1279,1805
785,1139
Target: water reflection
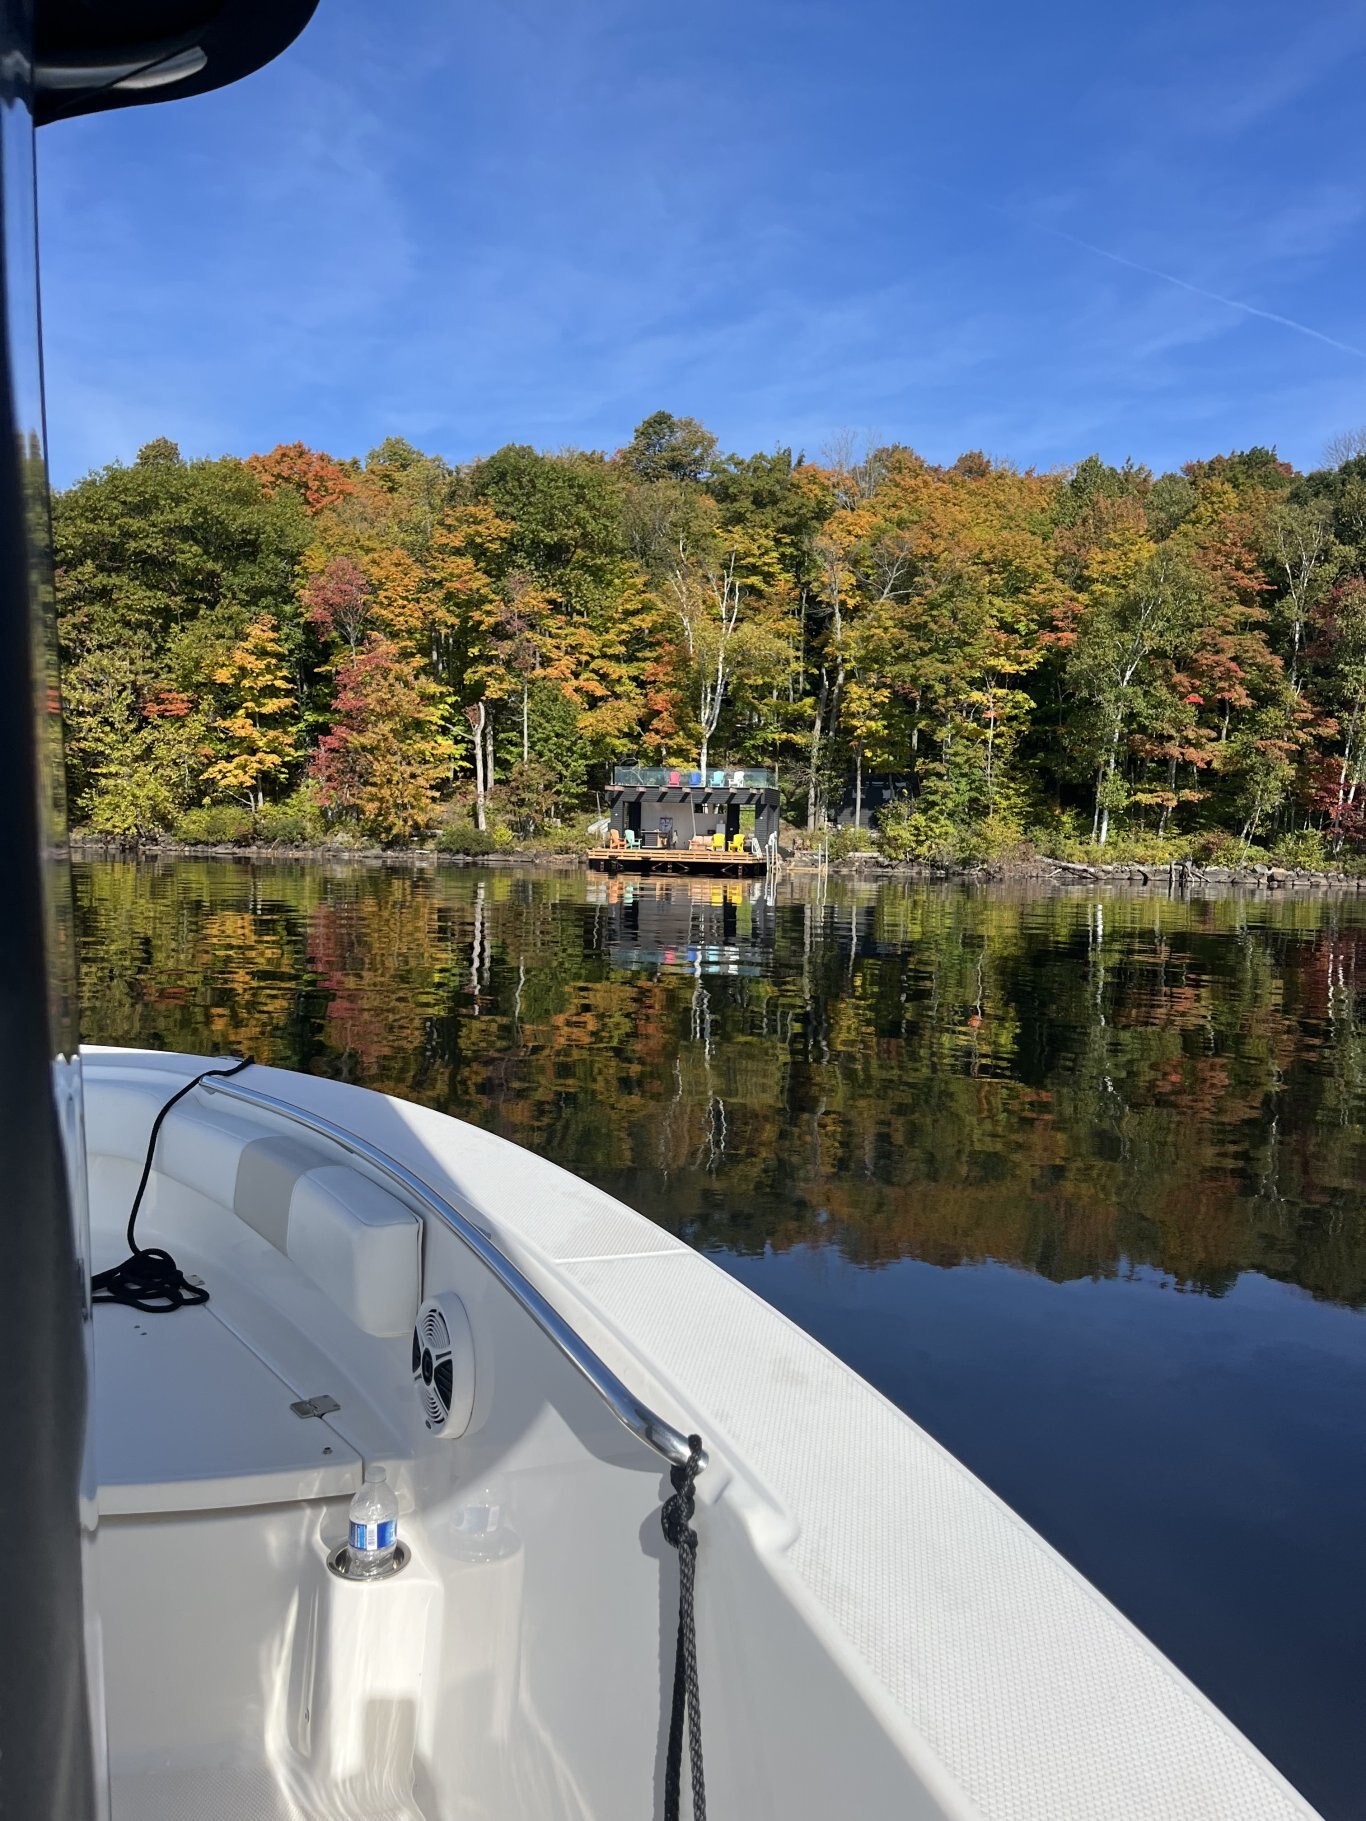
1132,1126
1082,1088
691,926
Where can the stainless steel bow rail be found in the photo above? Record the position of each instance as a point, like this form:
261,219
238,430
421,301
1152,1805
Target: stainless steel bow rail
624,1404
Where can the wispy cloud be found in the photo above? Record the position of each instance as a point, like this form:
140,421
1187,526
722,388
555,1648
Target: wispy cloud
1262,73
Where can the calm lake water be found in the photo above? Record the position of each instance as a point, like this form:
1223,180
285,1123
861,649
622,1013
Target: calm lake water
1076,1180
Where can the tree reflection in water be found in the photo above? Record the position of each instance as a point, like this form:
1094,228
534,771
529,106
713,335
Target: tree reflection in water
1074,1085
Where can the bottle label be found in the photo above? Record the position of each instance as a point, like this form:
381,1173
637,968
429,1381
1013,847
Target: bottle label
368,1538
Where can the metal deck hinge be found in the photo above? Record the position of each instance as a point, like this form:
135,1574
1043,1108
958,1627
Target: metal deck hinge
315,1406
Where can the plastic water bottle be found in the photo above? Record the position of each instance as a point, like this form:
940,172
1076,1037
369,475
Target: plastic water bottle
374,1526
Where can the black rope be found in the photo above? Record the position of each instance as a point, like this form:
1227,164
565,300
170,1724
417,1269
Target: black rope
149,1278
676,1517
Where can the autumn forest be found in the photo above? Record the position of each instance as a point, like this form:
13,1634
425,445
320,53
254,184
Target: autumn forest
300,648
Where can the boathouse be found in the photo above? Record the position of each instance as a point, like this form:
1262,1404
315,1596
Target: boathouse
670,819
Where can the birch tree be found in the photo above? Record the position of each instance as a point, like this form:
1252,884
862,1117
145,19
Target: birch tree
1142,602
719,596
1303,557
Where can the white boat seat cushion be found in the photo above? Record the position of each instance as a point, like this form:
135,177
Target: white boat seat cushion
267,1170
351,1237
360,1245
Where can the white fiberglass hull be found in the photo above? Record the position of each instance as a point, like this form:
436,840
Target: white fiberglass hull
878,1634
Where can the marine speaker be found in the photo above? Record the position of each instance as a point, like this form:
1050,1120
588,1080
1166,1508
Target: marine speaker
443,1365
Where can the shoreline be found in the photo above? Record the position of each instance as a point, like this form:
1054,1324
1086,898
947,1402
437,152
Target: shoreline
1179,878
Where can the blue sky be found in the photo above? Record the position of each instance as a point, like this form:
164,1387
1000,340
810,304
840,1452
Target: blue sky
1038,230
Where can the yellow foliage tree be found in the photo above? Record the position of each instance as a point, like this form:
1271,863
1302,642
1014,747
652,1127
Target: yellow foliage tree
256,730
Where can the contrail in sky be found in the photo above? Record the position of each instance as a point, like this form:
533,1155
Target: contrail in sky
1182,284
1018,220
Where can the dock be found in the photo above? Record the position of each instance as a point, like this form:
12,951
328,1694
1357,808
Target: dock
677,860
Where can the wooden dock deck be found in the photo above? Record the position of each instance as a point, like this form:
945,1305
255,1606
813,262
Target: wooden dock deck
676,860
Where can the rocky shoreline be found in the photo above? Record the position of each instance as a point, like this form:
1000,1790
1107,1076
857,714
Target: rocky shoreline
87,847
1178,877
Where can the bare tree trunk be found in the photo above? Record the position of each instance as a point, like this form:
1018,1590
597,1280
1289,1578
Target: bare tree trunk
692,588
858,786
812,790
1171,792
477,716
488,742
1302,545
1107,776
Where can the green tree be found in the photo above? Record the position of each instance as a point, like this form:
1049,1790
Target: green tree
161,565
669,448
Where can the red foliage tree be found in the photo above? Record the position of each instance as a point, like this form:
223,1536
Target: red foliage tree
318,479
337,602
388,750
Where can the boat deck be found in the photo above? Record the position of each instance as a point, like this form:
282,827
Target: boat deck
189,1418
882,1635
675,860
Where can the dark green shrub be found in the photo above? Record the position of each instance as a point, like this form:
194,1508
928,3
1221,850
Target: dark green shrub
841,842
214,825
916,833
465,838
296,822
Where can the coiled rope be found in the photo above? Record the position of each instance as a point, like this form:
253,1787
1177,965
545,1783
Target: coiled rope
149,1278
